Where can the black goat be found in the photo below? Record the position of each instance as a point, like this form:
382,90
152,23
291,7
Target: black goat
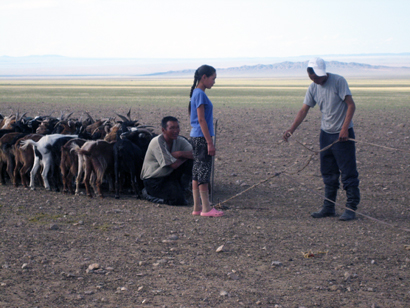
129,153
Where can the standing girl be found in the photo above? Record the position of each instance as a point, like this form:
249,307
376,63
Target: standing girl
201,113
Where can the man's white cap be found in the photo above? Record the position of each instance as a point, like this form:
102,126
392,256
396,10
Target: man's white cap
318,65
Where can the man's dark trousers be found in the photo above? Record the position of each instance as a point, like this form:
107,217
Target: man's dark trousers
340,159
172,187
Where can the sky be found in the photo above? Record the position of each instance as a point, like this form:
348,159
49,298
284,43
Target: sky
202,28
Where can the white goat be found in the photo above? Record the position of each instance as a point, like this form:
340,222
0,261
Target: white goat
47,150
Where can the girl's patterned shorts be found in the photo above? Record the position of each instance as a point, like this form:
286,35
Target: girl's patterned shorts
201,170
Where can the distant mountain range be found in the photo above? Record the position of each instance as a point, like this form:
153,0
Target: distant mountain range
377,65
289,68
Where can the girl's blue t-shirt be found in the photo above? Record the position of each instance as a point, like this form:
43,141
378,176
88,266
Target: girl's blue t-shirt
199,98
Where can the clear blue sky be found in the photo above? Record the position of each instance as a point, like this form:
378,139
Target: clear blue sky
202,29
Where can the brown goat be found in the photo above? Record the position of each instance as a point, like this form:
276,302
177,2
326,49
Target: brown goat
100,132
8,122
69,127
7,154
46,127
98,158
24,159
69,163
92,127
112,135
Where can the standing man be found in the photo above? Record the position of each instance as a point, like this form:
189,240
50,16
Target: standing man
167,168
332,94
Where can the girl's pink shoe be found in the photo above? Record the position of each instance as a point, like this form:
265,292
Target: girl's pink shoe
213,213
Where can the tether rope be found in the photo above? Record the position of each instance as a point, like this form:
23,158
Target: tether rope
342,206
288,175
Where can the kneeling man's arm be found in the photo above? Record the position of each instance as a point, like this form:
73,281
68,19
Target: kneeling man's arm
183,154
178,163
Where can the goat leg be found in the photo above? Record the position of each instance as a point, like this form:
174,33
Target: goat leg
44,175
10,169
87,177
16,173
33,173
2,175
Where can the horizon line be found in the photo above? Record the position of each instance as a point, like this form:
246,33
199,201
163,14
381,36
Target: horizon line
186,58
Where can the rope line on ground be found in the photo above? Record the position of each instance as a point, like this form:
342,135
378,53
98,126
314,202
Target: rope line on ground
354,140
380,146
287,174
344,207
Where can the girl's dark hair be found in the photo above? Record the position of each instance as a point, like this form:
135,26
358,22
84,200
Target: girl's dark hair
206,70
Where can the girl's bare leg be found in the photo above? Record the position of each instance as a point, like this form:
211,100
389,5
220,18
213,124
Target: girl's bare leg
196,197
204,192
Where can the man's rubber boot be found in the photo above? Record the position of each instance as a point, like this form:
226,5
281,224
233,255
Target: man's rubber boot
328,208
353,200
150,198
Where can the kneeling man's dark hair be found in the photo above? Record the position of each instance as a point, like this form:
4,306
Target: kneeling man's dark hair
166,120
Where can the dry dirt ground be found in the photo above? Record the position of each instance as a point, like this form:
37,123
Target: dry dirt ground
72,251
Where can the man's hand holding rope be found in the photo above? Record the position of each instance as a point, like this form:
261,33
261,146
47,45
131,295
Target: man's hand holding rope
287,135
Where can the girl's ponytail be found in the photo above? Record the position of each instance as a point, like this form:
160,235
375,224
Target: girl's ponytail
192,90
206,70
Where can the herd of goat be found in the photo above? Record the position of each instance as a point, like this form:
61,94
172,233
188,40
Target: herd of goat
69,152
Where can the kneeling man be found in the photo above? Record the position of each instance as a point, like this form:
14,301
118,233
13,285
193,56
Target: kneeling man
167,168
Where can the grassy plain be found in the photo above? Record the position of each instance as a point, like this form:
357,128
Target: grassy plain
232,93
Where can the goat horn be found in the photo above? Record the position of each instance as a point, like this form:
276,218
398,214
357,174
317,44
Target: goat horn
94,131
129,114
92,120
122,117
144,126
69,115
143,130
